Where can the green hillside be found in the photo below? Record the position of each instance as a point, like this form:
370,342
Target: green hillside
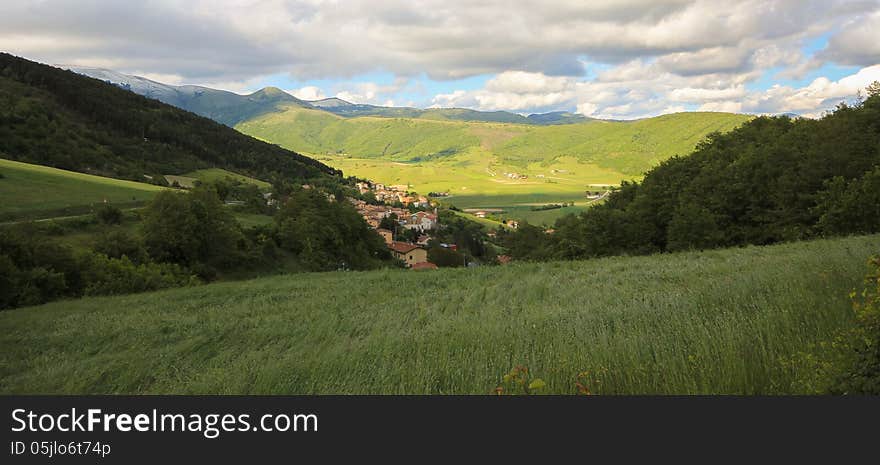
722,321
34,191
58,118
217,174
470,159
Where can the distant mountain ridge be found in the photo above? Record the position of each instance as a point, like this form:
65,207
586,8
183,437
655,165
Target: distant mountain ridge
231,109
222,106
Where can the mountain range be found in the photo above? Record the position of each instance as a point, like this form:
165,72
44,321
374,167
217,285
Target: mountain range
230,108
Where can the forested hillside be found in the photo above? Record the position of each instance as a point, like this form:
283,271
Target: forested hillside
773,179
58,118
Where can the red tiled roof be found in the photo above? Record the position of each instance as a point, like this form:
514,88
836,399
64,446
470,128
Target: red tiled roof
424,266
402,247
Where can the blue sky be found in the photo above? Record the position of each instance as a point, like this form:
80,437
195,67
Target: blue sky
603,58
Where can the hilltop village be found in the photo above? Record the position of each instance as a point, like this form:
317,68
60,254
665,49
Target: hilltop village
403,219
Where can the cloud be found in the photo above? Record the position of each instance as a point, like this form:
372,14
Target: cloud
308,93
639,89
516,91
857,44
604,58
446,39
820,95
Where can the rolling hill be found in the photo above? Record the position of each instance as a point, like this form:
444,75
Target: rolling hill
716,322
34,191
489,164
58,118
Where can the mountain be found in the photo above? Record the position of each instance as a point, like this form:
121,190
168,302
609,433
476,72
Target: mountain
557,117
230,108
222,106
62,119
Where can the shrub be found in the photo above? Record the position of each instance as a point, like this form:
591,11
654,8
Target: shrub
861,371
113,276
108,214
118,243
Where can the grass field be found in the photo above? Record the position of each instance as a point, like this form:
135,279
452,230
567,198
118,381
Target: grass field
709,322
470,160
34,191
217,174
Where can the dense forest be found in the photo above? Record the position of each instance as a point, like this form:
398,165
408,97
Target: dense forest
773,179
58,118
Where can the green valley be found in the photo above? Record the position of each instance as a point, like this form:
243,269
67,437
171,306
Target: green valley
488,164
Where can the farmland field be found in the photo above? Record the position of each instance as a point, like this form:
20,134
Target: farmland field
35,191
715,322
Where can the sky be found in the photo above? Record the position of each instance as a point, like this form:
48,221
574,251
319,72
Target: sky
617,59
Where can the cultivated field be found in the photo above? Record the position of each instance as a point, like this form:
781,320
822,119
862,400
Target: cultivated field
717,322
34,191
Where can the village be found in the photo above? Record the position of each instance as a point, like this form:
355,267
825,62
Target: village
401,210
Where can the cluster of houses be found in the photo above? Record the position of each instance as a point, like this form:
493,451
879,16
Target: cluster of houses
414,255
392,194
374,214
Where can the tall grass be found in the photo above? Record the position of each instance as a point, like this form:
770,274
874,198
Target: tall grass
690,323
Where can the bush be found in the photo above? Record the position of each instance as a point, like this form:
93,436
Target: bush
108,214
113,276
118,243
861,372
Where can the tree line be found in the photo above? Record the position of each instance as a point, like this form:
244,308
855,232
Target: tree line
773,179
183,239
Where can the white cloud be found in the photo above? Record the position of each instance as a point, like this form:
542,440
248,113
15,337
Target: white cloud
222,40
858,42
308,93
658,55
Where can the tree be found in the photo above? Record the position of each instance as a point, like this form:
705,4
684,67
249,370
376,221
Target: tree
327,235
390,222
444,257
192,229
873,89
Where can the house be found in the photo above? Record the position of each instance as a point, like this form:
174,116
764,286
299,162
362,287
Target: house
421,221
424,266
386,234
423,240
409,253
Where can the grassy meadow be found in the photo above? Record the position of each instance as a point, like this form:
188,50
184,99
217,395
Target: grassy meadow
218,174
715,322
35,191
470,159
